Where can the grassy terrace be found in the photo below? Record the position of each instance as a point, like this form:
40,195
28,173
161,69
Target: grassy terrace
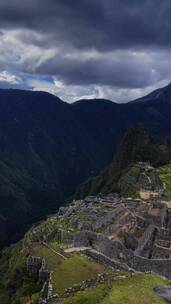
67,272
138,289
165,176
92,296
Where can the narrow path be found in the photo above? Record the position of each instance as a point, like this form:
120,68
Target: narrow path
54,251
76,249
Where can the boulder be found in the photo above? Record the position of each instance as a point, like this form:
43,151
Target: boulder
164,292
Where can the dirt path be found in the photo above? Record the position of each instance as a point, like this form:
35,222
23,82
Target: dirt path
76,249
146,194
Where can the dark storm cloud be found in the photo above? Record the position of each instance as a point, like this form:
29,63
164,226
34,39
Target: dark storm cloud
122,44
121,70
100,24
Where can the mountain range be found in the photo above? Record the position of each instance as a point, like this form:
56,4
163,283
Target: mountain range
49,147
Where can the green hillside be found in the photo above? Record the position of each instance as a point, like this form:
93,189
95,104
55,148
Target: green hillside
122,175
165,175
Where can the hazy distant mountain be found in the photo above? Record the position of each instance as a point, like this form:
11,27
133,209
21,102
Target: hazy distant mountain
48,147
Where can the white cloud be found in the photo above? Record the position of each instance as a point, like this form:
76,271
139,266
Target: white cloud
69,93
19,54
121,95
9,78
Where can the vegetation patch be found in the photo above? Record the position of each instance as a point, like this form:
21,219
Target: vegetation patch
16,286
91,296
66,273
73,271
122,289
138,289
165,176
128,182
52,259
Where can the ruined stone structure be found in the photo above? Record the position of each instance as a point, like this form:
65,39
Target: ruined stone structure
129,234
135,233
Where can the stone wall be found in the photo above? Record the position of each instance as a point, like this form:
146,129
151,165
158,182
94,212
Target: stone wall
146,242
109,217
124,223
37,266
160,266
84,285
160,252
134,263
164,234
84,239
77,239
103,259
161,218
33,265
59,235
164,215
112,249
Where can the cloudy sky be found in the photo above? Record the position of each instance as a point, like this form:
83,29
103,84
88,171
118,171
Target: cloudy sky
115,49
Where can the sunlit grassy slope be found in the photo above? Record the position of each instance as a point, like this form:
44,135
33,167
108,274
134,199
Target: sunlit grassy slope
135,290
68,272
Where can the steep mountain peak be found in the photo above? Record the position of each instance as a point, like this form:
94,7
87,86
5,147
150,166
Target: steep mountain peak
163,94
165,90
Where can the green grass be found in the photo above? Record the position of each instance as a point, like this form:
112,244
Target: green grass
52,259
129,290
74,270
68,272
138,289
91,296
165,176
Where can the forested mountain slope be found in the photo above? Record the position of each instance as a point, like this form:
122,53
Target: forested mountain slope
48,148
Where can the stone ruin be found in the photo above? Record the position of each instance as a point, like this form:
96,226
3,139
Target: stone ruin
129,234
135,233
